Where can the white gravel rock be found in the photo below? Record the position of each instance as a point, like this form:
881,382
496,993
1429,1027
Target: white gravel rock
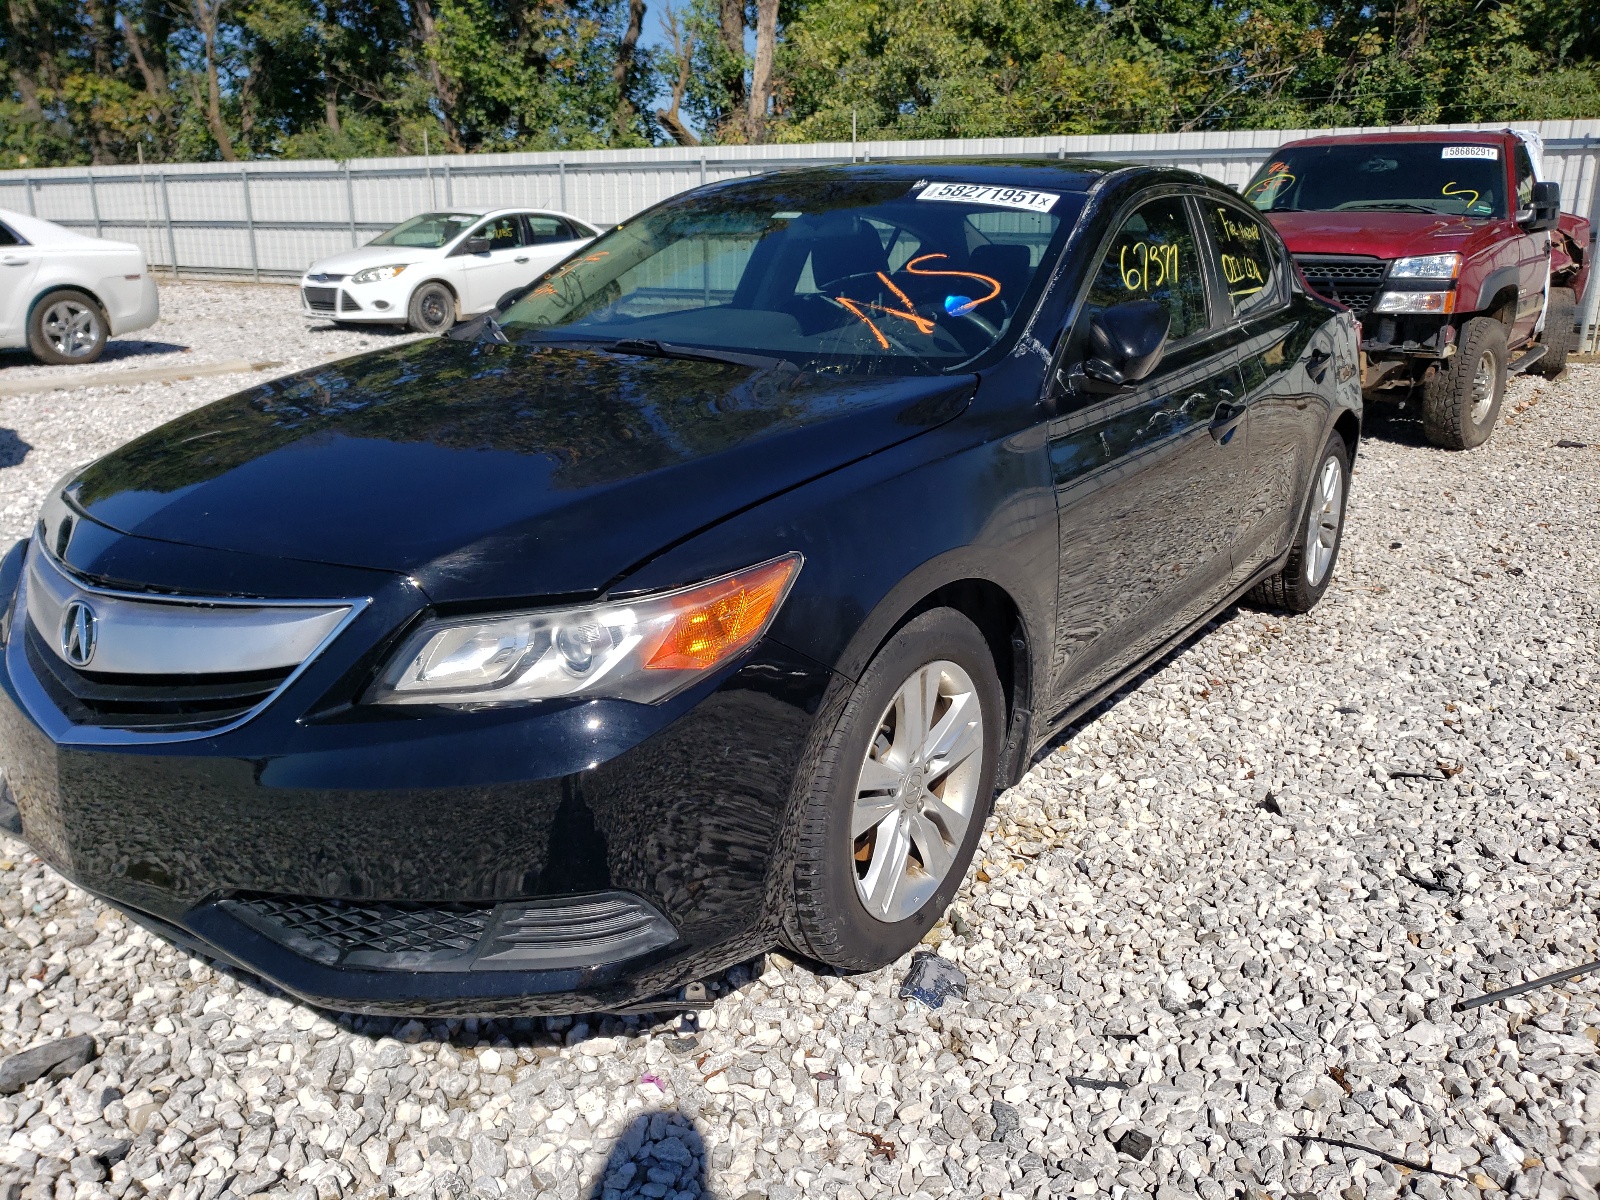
1231,914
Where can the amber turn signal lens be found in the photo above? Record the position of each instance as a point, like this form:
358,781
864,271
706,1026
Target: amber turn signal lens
715,622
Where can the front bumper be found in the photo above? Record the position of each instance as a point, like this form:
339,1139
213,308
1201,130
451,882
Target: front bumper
340,300
396,863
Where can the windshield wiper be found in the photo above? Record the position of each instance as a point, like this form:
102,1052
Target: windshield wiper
651,348
1397,206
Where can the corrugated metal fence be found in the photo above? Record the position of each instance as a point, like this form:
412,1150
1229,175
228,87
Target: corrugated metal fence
268,220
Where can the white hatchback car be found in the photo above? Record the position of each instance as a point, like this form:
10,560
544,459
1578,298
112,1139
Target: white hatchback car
440,267
62,294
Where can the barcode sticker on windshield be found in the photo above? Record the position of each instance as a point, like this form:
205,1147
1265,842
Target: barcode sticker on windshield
1492,153
1000,197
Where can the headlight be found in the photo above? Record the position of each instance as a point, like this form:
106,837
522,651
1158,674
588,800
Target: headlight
377,274
643,649
1416,302
1426,266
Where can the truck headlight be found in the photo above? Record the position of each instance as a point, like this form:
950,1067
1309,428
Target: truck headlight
1426,266
643,649
1416,302
377,274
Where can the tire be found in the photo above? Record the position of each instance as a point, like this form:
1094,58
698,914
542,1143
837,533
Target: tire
67,326
1461,403
1560,332
432,308
1320,531
840,867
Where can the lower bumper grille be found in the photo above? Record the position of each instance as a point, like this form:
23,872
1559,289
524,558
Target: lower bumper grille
1351,280
346,304
321,299
526,935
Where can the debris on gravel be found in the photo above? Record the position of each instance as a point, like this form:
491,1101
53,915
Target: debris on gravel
55,1060
932,980
1260,996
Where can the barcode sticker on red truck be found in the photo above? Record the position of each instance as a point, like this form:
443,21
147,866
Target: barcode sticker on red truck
1492,153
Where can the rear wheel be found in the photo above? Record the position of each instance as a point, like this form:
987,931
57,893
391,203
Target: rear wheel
1560,332
1461,403
67,327
432,308
894,808
1306,575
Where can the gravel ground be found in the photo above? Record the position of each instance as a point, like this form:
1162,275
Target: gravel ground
1212,945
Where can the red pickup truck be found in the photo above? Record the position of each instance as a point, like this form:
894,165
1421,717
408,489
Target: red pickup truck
1455,258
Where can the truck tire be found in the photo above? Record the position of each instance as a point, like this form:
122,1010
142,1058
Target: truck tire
1560,332
1461,403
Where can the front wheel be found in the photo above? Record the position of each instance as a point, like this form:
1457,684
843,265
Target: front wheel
893,810
432,309
67,327
1461,402
1306,575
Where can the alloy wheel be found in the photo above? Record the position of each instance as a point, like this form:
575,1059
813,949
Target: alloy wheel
1322,525
71,328
917,790
1483,386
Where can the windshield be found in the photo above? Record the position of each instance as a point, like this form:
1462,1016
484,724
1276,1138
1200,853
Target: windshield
876,276
1451,179
430,231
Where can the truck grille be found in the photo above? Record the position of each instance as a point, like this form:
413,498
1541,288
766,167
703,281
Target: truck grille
321,299
1348,279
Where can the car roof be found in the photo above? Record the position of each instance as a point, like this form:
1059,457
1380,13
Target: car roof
1472,137
1057,174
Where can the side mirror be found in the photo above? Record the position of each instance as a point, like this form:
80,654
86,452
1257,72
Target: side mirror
474,245
1125,344
1546,210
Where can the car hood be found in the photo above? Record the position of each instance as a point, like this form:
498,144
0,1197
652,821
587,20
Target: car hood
1380,234
485,471
348,262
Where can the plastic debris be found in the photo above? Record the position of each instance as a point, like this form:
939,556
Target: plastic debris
649,1077
1505,993
1134,1144
931,980
54,1059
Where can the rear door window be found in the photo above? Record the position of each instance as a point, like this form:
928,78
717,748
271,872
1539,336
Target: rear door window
1252,271
7,238
544,229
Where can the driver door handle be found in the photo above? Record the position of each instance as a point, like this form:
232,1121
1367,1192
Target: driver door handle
1317,364
1225,419
521,258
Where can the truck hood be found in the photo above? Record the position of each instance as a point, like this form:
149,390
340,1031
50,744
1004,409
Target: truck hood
487,472
1381,234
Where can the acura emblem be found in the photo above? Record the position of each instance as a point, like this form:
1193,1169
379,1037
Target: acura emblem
79,630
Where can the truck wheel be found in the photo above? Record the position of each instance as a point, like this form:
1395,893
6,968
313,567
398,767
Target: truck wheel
1461,403
1560,332
1304,578
67,327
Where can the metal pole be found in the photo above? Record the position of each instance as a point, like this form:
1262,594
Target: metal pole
427,167
350,203
172,240
250,224
144,201
94,203
852,135
27,183
561,165
702,168
1589,322
449,189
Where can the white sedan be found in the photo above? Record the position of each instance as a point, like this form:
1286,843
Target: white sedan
62,294
439,267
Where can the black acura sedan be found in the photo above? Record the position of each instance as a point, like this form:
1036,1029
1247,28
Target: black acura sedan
700,598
